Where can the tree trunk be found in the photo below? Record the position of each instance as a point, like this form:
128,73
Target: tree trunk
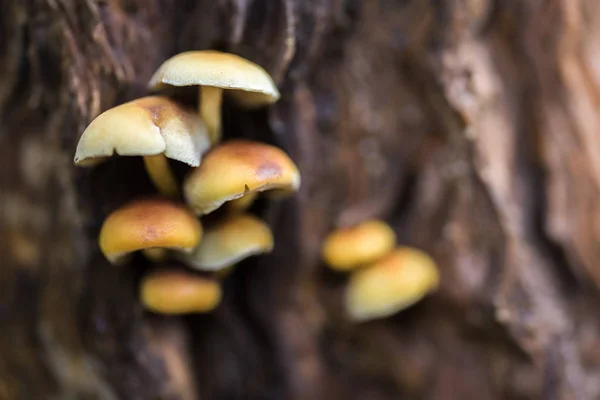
471,126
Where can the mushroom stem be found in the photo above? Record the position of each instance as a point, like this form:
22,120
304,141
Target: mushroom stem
209,107
161,175
243,203
225,272
155,254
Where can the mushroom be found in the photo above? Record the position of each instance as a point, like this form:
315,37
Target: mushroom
391,284
238,168
213,71
154,127
352,247
148,224
229,241
175,292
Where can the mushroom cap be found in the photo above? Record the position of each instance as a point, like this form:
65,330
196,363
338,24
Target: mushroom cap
236,168
250,84
230,241
391,284
149,223
349,248
144,127
173,292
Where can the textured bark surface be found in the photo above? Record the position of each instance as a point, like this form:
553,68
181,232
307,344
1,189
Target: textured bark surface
470,125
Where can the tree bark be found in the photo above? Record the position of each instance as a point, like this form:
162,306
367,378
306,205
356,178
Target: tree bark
471,126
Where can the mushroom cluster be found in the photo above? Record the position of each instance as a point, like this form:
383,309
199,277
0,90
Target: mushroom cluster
166,227
384,278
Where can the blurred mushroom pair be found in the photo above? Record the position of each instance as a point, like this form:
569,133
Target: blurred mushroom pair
384,279
157,128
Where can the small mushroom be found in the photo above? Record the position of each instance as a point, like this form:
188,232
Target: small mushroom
238,168
213,71
148,224
154,127
229,241
175,292
350,248
391,284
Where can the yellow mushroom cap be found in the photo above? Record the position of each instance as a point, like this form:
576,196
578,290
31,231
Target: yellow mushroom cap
148,126
251,85
179,292
149,223
349,248
391,284
236,168
230,241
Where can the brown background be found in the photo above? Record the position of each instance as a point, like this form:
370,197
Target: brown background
470,125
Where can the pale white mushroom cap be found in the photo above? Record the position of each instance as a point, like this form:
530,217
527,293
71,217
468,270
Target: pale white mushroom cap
144,127
249,84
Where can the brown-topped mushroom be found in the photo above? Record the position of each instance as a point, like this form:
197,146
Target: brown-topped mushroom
391,284
149,224
153,127
352,247
229,241
213,71
175,292
237,168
